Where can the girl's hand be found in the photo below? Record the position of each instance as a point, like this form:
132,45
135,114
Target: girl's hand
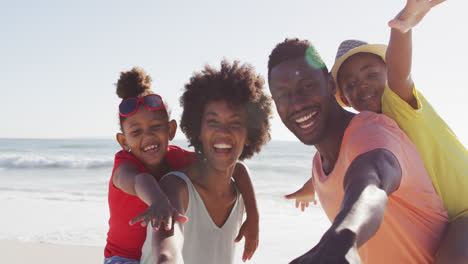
304,196
250,231
161,215
412,14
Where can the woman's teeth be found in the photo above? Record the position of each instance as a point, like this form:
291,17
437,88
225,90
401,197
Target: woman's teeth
222,146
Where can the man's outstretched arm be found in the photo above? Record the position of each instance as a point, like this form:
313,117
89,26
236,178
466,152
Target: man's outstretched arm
368,182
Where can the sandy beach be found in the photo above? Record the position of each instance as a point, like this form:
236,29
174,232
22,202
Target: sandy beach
24,252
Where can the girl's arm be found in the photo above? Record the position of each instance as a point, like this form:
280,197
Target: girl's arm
167,244
250,228
399,51
143,185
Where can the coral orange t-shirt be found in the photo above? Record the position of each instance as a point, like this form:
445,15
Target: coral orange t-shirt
414,220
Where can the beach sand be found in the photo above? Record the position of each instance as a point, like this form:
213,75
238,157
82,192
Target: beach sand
25,252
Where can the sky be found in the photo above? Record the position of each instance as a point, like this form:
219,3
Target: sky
60,60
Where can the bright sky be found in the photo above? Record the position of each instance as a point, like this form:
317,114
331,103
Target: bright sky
60,59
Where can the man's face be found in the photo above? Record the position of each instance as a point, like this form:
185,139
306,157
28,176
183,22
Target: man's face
303,98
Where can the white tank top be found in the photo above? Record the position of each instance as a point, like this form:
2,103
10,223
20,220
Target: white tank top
204,241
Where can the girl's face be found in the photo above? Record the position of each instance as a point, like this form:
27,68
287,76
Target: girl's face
362,79
223,134
147,133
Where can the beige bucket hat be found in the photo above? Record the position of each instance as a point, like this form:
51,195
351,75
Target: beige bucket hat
347,49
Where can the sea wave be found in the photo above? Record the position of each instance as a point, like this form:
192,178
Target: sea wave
32,161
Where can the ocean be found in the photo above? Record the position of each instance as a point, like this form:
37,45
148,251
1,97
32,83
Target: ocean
55,191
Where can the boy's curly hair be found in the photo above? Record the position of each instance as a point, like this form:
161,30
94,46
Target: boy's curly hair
239,86
295,48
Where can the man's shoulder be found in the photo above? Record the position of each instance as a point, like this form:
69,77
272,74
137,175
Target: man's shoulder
365,121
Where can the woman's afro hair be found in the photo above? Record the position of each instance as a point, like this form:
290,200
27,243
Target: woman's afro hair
236,84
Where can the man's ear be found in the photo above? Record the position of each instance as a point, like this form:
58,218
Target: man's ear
122,141
331,84
172,129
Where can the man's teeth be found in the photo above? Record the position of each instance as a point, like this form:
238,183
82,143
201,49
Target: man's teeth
304,118
222,146
302,121
150,147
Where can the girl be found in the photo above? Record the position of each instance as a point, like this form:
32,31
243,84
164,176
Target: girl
226,118
146,156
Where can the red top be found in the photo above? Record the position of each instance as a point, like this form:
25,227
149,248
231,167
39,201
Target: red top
126,240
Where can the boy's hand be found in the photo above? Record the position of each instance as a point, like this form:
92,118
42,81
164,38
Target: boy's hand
161,215
304,196
250,231
412,14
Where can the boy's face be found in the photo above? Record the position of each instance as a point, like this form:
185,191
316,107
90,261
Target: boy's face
362,78
302,98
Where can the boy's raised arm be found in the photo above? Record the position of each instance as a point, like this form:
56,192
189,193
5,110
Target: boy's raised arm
399,52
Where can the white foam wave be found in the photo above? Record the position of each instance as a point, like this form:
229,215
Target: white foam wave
28,161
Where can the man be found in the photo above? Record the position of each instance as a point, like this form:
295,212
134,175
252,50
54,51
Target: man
368,175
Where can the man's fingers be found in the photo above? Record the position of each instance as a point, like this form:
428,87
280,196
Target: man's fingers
302,207
297,203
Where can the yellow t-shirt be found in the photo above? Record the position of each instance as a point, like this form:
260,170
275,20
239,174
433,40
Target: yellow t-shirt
445,158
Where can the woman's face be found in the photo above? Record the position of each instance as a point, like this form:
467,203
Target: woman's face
223,133
147,134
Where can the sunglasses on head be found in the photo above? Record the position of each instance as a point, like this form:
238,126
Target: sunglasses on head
129,106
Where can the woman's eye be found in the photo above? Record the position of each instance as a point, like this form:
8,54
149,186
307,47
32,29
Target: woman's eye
236,125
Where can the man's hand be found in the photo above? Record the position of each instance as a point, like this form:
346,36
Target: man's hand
333,248
412,14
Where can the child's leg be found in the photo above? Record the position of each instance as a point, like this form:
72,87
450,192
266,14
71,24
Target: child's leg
454,245
120,260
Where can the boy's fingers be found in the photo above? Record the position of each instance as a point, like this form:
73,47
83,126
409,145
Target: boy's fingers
436,2
302,207
297,203
292,195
